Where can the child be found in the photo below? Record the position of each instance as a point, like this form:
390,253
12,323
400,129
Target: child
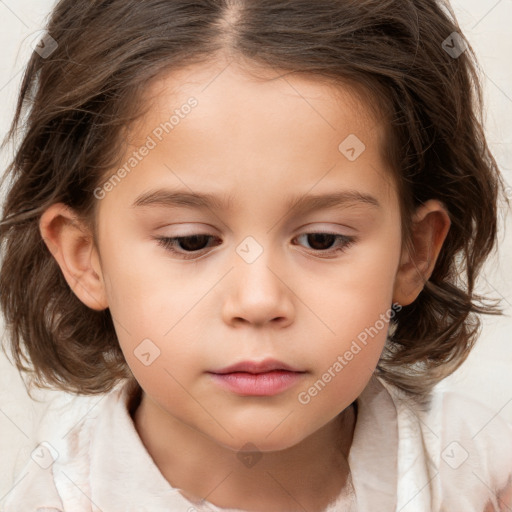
262,369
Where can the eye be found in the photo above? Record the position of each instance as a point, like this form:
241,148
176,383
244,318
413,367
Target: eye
189,243
324,242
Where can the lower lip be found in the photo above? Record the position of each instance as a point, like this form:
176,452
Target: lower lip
257,384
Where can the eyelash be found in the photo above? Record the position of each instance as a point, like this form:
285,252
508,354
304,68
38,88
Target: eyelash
169,243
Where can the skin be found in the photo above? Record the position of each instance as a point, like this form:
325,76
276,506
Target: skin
261,141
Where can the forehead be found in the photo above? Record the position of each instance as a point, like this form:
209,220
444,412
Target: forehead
240,90
256,125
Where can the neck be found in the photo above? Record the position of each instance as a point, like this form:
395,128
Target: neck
309,475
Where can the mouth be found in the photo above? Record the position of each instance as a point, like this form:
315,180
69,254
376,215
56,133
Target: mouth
257,367
252,378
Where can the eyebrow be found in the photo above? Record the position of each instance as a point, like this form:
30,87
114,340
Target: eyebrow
176,198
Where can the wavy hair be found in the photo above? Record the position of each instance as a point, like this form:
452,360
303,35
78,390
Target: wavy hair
409,56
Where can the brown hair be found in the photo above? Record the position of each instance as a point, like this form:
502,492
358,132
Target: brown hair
76,103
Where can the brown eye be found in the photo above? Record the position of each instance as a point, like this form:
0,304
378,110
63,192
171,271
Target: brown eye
320,241
323,243
185,246
193,243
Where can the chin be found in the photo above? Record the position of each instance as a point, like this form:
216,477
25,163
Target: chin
262,440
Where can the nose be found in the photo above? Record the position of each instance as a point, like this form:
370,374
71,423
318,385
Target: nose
259,293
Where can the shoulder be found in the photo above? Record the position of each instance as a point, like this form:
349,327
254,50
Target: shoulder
34,487
60,461
473,428
466,445
476,448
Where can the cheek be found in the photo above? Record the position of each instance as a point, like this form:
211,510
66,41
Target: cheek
344,366
355,294
142,290
153,313
355,308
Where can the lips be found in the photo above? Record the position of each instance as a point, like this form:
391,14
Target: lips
251,378
268,365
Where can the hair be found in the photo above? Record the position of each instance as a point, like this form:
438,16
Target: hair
75,106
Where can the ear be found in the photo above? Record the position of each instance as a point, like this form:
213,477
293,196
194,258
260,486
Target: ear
430,225
72,245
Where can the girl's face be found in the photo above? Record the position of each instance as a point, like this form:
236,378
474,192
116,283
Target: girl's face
254,222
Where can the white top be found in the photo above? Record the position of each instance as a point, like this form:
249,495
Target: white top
457,456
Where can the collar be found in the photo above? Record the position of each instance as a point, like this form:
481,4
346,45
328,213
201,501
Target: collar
118,459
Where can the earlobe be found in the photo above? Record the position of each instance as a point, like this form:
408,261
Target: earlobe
430,226
71,244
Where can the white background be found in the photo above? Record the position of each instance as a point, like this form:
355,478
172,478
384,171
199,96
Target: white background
487,374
